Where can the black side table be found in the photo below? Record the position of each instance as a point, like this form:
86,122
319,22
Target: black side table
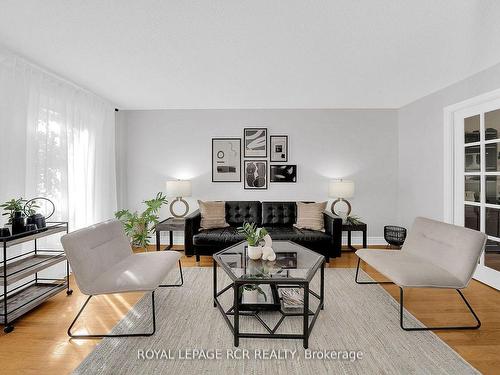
361,227
170,225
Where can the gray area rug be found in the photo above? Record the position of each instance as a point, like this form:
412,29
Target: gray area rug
356,319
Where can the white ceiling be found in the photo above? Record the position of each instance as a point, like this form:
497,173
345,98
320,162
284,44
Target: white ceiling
256,53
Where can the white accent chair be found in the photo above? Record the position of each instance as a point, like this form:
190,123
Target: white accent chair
102,262
434,255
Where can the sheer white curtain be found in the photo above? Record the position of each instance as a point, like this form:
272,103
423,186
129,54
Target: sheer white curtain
67,145
13,111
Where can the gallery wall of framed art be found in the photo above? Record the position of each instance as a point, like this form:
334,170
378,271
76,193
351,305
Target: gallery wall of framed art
257,171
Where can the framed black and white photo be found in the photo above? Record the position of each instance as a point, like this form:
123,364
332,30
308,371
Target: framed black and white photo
226,159
283,173
279,148
255,174
255,142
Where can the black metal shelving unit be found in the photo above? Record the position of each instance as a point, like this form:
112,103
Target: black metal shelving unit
17,301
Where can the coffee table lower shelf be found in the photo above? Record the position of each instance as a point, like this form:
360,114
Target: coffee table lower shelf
306,313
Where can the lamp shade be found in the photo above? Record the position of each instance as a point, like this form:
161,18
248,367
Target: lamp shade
341,189
179,188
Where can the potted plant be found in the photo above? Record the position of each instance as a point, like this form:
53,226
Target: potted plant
253,236
353,220
251,292
140,226
14,210
33,216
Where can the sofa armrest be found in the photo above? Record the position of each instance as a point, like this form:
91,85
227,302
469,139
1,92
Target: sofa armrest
192,227
333,227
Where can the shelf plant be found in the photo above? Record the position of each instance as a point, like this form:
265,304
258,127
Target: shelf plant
12,206
139,226
31,207
254,290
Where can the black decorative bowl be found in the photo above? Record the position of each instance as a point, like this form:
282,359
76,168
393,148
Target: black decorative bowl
394,235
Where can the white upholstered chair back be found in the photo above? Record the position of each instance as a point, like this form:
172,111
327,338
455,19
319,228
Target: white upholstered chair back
94,250
453,248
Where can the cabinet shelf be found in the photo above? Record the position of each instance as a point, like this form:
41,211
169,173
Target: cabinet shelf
18,296
51,229
25,299
28,266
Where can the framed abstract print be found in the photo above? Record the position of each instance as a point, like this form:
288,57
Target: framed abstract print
226,159
279,148
255,174
255,142
283,173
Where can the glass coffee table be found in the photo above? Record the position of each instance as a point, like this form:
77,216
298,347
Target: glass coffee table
292,271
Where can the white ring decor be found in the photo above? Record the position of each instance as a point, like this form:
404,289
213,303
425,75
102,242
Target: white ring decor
267,250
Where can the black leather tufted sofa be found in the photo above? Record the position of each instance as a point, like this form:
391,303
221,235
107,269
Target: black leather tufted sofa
277,217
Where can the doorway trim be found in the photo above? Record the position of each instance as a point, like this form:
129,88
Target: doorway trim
482,273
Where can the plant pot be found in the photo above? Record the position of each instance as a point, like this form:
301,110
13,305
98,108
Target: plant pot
38,220
138,249
254,252
251,296
18,223
5,232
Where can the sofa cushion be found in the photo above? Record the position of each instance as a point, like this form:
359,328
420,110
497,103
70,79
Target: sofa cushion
212,215
310,215
138,272
298,235
279,213
409,270
237,212
217,237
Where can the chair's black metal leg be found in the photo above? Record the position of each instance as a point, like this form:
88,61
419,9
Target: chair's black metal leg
368,282
322,286
117,335
69,291
401,314
173,285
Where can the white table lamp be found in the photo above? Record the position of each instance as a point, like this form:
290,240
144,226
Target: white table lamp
341,190
178,189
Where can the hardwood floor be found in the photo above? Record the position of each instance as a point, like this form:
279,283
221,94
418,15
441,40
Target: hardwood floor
39,343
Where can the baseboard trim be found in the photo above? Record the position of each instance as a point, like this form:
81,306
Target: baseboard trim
358,240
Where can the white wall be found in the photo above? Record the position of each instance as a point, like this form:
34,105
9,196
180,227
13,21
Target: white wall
154,146
421,132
